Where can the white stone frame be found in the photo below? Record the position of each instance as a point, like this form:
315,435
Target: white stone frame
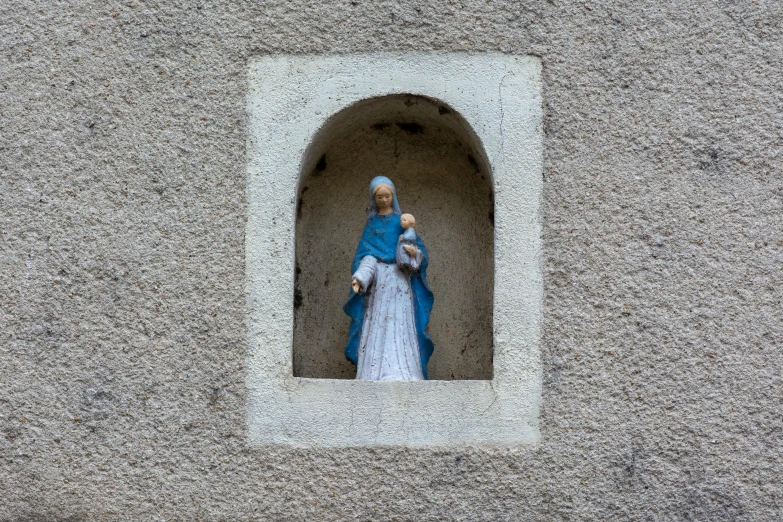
290,97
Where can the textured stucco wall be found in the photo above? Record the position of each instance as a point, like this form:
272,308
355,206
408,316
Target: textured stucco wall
122,138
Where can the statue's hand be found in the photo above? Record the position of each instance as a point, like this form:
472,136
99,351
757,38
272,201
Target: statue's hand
356,286
410,249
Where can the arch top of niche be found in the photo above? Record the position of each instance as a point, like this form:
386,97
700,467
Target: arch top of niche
294,106
412,111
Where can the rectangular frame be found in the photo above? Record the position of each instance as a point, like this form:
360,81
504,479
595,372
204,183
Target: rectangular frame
290,97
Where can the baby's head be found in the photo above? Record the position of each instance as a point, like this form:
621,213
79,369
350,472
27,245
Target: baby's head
407,221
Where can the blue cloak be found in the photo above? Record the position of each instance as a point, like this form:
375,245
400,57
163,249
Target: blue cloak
379,240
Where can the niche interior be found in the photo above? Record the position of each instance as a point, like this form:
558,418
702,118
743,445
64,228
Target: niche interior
443,178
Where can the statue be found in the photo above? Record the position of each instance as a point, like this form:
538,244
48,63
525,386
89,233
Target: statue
390,301
406,245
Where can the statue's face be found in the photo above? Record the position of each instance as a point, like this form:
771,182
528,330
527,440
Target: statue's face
383,198
407,221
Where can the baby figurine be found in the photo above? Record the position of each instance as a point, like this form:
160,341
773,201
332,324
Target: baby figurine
408,239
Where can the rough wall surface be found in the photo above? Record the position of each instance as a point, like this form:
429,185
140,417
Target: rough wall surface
122,131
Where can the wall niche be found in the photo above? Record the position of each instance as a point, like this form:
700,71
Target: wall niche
443,178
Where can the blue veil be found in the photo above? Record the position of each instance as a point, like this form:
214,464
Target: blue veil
379,240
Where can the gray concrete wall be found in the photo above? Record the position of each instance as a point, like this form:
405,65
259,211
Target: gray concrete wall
122,129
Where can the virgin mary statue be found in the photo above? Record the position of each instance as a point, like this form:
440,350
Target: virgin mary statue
390,301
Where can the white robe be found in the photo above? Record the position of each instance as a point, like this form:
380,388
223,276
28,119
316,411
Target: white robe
389,347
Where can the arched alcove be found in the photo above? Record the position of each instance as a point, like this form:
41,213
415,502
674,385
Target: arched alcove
443,178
